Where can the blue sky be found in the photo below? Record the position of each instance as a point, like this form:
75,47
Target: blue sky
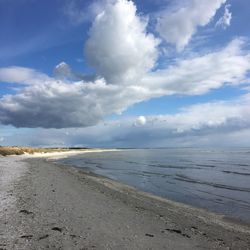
171,72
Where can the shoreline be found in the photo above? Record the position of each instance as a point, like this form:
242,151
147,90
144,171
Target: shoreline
203,214
221,216
65,207
38,152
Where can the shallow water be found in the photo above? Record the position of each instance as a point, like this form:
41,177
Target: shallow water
218,179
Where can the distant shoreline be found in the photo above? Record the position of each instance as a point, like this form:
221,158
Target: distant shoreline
8,151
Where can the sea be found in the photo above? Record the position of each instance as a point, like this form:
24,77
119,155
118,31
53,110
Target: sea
214,179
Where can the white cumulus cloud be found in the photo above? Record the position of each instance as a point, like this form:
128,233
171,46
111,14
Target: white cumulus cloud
118,47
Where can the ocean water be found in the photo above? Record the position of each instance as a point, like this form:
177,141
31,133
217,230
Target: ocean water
215,179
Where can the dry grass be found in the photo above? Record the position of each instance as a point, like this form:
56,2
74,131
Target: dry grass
4,151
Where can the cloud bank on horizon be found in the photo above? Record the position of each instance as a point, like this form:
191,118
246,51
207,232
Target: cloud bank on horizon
124,49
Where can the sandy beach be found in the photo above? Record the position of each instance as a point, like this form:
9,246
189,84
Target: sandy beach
49,206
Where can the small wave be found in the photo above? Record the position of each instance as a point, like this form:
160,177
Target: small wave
243,203
234,172
174,167
99,166
216,185
184,160
134,162
139,174
215,160
147,174
157,174
243,165
206,165
90,162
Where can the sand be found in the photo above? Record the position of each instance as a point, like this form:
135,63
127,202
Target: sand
49,206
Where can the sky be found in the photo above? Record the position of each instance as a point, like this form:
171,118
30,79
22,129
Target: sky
120,73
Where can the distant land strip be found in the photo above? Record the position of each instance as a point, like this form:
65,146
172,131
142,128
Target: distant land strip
14,150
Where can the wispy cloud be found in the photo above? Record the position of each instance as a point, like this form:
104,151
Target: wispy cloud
74,11
200,74
225,20
178,24
21,75
77,11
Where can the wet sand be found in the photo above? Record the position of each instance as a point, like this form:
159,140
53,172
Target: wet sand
49,206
